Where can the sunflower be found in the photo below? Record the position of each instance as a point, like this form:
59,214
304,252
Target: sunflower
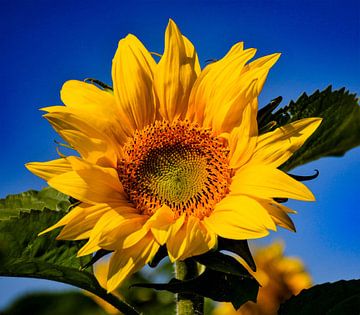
171,155
280,277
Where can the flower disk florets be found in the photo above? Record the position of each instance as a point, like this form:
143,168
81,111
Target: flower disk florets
177,164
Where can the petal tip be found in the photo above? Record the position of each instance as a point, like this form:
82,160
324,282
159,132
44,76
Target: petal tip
318,121
43,232
309,196
172,26
275,57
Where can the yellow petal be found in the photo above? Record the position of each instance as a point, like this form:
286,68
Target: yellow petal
213,81
93,150
86,97
199,238
177,243
89,183
132,73
267,182
284,208
109,175
276,147
77,220
277,213
174,229
92,245
226,87
101,270
108,221
177,225
73,214
192,239
114,238
251,82
81,225
191,53
50,169
259,69
240,217
96,107
76,231
61,118
125,262
175,74
229,113
242,139
135,237
160,223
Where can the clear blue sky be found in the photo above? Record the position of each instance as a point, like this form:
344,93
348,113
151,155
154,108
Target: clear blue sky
45,43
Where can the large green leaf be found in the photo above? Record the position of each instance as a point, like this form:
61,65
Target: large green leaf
48,198
338,133
24,254
342,297
25,250
214,284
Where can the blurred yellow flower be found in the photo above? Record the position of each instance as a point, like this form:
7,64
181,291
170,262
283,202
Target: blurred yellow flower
280,278
171,156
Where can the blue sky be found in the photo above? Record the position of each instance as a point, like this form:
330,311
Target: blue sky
45,43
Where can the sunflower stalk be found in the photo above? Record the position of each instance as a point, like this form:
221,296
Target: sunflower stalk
187,303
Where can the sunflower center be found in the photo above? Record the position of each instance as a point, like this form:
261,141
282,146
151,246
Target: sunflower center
179,164
176,173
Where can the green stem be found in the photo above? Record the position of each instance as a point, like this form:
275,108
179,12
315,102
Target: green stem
186,303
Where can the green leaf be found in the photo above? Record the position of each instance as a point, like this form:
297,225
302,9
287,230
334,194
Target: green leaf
342,297
338,133
20,241
216,285
264,123
24,254
238,247
223,263
98,255
160,255
48,198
